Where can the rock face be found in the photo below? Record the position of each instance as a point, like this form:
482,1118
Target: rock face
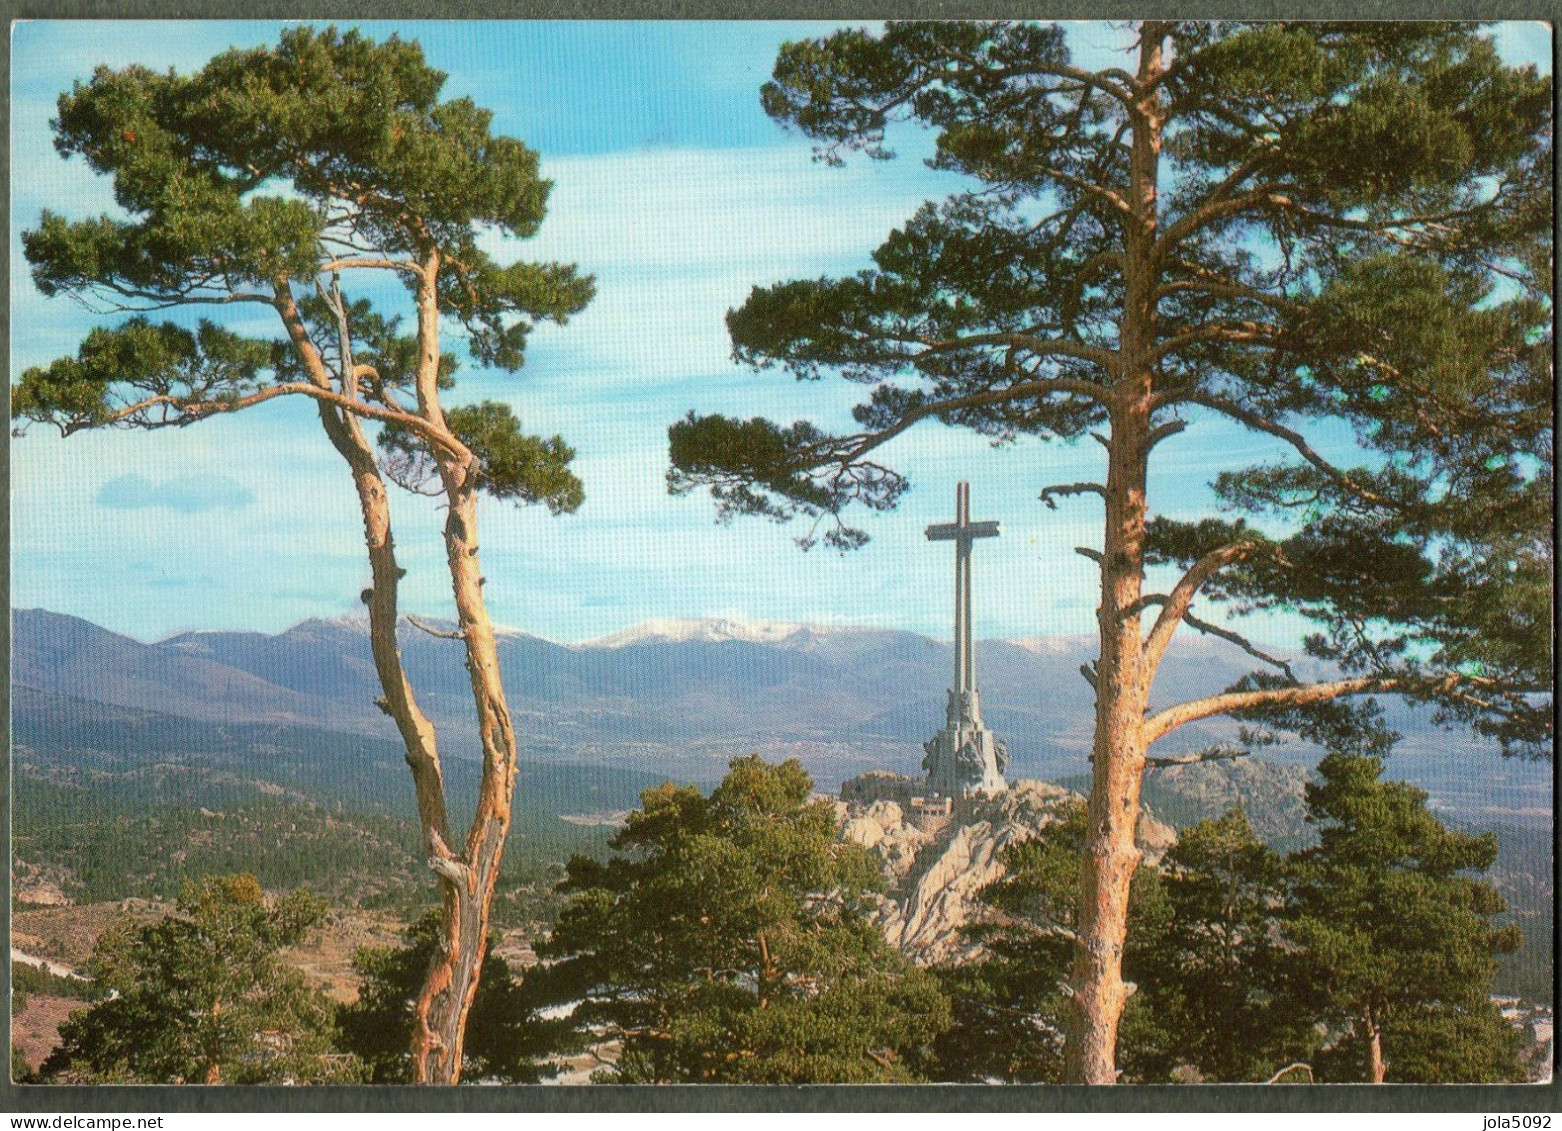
936,874
1272,794
42,895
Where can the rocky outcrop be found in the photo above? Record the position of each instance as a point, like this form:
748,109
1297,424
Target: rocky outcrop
1272,794
936,877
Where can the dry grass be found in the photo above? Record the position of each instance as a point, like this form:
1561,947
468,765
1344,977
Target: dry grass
37,1030
68,934
326,957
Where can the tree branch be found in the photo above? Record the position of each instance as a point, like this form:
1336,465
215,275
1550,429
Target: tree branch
1235,332
200,410
1164,431
1260,423
369,261
1213,212
1050,495
1114,81
860,445
1220,752
1162,723
1226,289
1036,347
1274,196
1181,597
148,300
443,634
1240,641
1112,199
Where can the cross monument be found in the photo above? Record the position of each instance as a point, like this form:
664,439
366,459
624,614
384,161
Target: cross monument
965,757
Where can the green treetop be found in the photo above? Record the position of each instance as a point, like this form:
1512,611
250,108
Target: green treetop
1389,936
201,997
1209,975
730,944
275,168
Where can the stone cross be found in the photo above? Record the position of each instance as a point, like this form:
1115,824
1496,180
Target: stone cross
962,532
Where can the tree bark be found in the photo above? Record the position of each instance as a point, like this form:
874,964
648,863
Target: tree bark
467,881
1377,1067
1123,672
451,985
1111,850
465,891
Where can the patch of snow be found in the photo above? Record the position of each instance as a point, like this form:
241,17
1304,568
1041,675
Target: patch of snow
681,630
1050,645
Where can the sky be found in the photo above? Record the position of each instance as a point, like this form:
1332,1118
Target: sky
676,192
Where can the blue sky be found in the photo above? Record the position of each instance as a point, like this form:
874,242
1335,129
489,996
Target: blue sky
678,194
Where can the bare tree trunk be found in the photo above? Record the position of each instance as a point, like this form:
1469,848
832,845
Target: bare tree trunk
451,986
1123,672
417,733
1377,1067
441,1010
346,435
1111,851
433,1058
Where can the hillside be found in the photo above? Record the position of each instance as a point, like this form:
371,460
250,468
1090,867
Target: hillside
113,803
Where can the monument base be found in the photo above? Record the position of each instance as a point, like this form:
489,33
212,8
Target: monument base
965,759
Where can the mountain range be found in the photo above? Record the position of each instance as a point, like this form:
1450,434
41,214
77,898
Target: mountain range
680,697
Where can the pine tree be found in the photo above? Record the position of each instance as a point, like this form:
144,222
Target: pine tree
21,1071
730,943
1210,974
201,997
265,180
1302,229
1391,937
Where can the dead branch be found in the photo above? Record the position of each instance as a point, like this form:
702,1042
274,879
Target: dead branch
1050,495
1241,642
1220,752
1165,431
444,634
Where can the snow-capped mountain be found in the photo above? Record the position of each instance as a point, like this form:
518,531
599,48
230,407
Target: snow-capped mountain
661,694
